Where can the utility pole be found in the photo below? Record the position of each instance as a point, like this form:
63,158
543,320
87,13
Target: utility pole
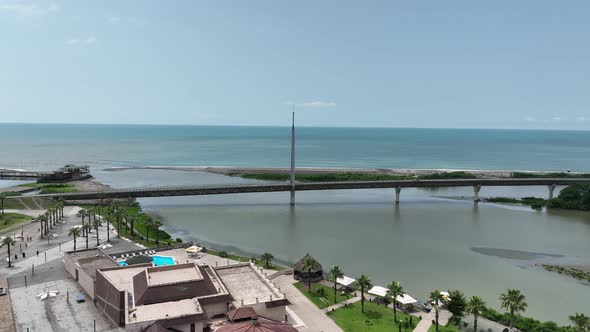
293,157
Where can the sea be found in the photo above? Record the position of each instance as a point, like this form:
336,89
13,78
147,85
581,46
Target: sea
434,239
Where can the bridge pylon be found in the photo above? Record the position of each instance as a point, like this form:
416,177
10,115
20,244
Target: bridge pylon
551,190
398,190
476,189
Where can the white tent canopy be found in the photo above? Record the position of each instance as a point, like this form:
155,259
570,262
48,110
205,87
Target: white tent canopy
345,281
406,299
378,291
193,249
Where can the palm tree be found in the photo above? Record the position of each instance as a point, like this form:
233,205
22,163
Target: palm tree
8,242
75,232
3,197
475,306
132,219
87,229
308,265
108,224
514,301
437,298
336,273
394,290
581,321
96,224
363,283
82,214
118,216
41,219
156,224
267,257
148,224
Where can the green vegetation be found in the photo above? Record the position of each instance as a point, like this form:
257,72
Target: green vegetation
329,177
523,323
10,219
322,296
52,188
520,175
450,327
570,271
376,318
533,202
352,176
574,197
447,175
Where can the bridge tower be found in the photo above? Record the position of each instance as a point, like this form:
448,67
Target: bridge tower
398,190
292,201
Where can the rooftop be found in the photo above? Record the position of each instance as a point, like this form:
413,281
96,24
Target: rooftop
166,310
246,284
173,274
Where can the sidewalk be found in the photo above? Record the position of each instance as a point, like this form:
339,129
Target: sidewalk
341,304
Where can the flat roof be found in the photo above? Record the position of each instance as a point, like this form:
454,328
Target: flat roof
122,278
165,310
246,284
173,274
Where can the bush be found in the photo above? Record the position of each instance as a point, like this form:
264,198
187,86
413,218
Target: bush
223,254
178,240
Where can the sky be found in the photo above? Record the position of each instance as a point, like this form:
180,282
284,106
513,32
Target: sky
442,64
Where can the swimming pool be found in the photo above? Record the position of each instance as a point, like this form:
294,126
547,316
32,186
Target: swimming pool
122,263
162,260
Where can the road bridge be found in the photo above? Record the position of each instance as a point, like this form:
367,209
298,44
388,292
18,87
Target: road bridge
397,185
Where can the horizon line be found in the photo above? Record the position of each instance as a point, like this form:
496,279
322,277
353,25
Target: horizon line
281,126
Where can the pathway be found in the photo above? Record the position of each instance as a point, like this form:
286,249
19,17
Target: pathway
427,318
342,304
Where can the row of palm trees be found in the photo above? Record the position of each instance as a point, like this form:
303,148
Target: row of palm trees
513,301
114,214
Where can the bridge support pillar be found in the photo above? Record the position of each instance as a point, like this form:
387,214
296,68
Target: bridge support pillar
292,201
398,190
551,190
476,189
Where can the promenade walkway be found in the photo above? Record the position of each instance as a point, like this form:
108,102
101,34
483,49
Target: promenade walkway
427,318
341,304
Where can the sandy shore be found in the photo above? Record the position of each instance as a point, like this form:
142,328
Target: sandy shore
233,170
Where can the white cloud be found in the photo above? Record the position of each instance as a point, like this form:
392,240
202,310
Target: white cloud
27,8
556,118
84,41
317,104
580,119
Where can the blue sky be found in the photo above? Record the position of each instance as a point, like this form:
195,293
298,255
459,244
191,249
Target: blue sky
473,64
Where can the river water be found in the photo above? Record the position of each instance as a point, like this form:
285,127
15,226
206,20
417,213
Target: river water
431,240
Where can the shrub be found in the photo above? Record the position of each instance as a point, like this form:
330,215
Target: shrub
223,254
178,240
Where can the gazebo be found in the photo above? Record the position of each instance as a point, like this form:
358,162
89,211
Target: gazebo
300,273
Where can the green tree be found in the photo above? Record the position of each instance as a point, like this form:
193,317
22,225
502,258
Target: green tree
514,301
267,257
335,274
96,224
475,306
75,232
363,283
8,242
581,321
3,197
87,229
82,214
308,265
132,219
148,224
395,289
437,299
156,224
456,305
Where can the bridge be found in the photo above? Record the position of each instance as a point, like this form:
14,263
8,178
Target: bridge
237,188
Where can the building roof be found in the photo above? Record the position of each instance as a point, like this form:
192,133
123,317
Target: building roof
345,281
167,310
247,285
378,290
241,314
299,266
258,325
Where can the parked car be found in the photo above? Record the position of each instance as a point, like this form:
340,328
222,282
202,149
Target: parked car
424,306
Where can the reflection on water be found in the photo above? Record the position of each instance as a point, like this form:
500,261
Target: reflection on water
425,243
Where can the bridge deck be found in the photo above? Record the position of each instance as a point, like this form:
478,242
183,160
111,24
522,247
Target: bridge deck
283,187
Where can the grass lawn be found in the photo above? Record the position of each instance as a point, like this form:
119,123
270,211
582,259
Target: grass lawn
449,328
10,219
376,318
52,188
321,301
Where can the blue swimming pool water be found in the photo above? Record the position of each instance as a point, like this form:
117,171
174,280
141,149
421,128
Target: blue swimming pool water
162,260
123,263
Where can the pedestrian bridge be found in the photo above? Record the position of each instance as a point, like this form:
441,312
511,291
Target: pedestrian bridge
237,188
